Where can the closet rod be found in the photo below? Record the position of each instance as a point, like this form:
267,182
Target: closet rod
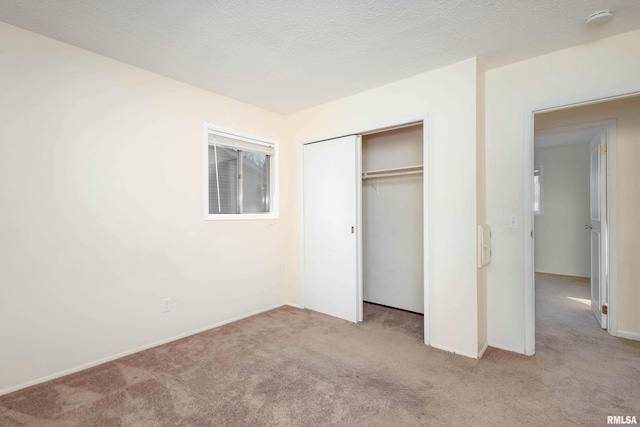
382,175
409,170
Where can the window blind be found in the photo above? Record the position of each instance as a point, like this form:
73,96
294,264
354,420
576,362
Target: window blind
223,181
221,139
239,174
537,190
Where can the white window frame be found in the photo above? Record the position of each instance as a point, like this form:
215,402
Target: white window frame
540,181
274,183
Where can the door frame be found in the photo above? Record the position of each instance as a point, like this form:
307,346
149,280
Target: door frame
367,130
612,235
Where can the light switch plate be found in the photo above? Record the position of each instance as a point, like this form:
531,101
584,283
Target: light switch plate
513,221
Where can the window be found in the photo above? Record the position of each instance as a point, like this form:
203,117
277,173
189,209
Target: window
537,190
241,173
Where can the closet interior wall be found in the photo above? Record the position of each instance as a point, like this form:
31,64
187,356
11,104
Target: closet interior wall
392,218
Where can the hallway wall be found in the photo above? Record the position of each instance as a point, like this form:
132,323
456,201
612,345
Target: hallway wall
510,91
626,112
562,243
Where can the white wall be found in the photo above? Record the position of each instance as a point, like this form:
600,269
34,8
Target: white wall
562,243
395,148
448,95
101,198
626,113
392,221
101,211
607,64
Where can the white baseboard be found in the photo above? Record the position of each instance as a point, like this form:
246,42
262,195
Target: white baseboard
450,350
628,335
563,274
128,352
482,350
500,347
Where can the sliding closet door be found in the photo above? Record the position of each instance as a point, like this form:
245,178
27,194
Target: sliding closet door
330,192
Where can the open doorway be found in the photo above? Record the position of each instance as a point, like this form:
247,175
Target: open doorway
586,243
392,228
570,207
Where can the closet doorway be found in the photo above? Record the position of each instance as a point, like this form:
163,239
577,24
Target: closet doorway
392,219
364,222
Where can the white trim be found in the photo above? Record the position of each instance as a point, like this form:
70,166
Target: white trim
205,170
529,274
482,350
274,178
529,241
450,350
231,133
359,253
376,128
241,216
628,335
425,228
612,228
255,141
129,352
301,220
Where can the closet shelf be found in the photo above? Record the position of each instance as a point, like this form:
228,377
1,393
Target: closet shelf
408,170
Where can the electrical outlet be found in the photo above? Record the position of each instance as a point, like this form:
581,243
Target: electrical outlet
513,221
166,305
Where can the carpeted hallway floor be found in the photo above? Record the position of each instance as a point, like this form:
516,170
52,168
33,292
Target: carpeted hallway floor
297,367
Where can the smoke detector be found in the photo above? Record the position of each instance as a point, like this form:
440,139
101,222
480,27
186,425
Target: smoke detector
598,18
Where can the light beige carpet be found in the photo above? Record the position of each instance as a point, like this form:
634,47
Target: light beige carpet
298,367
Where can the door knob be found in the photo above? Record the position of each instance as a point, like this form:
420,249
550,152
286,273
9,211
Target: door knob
588,227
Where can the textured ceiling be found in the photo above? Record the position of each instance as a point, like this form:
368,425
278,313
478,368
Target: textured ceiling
288,55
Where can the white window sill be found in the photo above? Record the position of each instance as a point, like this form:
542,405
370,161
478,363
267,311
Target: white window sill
234,217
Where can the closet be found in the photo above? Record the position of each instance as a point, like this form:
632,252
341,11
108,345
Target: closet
363,229
392,218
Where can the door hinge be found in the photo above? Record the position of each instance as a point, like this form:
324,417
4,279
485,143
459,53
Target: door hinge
605,309
604,148
532,234
353,230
